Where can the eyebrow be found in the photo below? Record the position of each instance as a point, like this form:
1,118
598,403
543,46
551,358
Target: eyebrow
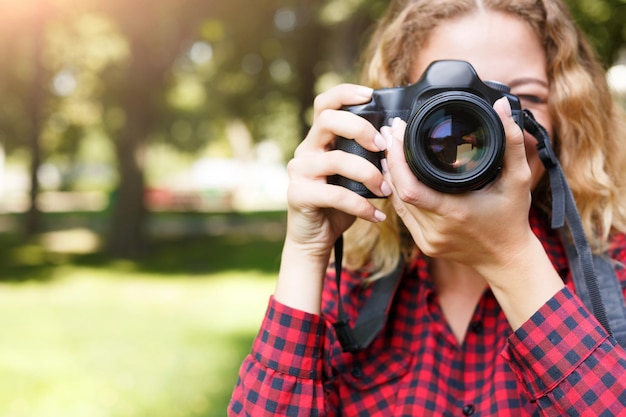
522,81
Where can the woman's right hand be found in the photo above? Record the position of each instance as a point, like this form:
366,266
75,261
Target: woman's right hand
319,212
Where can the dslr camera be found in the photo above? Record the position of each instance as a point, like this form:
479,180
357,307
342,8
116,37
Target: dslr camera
454,140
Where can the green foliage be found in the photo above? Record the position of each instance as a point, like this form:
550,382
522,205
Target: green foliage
182,72
604,21
245,57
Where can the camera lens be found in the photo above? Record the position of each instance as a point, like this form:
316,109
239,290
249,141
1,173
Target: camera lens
455,142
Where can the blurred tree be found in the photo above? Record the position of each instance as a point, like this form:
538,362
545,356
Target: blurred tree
25,78
34,102
78,86
281,48
604,21
156,33
186,72
256,62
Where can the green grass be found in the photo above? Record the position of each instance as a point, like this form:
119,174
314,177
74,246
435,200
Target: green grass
164,337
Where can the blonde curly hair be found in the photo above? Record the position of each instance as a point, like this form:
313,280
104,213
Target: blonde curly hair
589,127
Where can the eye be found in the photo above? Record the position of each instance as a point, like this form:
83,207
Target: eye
529,98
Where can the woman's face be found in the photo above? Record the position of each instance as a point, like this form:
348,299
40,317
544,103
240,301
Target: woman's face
501,48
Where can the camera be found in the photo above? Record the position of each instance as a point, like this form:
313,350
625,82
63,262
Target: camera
454,140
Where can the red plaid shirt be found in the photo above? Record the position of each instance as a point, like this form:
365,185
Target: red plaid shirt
560,362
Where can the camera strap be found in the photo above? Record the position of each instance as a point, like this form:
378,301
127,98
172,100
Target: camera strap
593,274
373,315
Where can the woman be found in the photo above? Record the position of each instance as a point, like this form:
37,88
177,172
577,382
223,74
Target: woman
485,320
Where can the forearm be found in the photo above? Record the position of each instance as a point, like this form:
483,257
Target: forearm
300,277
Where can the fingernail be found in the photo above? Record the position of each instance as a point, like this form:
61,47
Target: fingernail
386,132
384,166
395,123
364,92
379,215
506,106
385,188
380,142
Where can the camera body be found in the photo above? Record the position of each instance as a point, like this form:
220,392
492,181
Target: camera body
454,140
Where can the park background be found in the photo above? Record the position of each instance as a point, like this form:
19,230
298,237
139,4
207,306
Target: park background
142,187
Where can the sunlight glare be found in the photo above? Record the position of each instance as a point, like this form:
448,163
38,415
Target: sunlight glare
201,52
64,83
285,20
616,77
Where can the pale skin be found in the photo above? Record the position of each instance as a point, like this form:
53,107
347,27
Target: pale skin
476,239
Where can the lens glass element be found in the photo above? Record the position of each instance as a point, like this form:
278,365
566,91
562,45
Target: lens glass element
454,139
454,142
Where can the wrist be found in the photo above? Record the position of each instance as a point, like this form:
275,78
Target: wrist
524,282
301,276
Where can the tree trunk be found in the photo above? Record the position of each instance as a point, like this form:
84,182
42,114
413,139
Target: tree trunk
127,238
143,84
33,216
309,41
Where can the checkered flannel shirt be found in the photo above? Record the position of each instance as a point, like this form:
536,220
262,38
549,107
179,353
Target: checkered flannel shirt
559,363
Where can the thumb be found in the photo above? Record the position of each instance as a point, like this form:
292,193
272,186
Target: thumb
515,153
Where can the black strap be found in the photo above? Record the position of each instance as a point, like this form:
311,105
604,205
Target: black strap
564,208
594,275
612,297
373,315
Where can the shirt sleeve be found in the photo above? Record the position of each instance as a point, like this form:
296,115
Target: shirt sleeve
282,376
567,362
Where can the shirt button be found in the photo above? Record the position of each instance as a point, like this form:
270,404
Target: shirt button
468,410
